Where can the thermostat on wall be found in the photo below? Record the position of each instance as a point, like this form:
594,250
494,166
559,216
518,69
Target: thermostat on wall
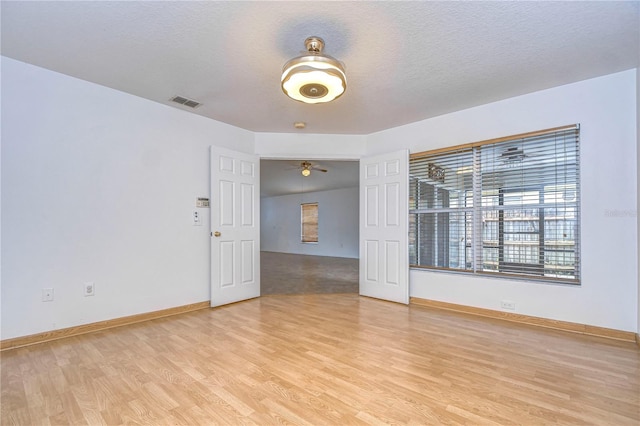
202,202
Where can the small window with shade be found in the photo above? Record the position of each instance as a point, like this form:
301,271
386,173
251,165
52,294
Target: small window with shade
309,222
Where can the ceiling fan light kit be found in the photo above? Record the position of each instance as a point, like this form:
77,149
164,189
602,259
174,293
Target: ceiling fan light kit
306,168
314,77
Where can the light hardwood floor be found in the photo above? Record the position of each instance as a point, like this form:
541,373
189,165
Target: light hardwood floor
324,360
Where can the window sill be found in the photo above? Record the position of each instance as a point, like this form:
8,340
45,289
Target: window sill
489,275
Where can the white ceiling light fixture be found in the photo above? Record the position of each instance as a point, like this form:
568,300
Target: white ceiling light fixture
314,77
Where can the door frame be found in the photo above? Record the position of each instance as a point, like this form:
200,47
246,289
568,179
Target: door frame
315,158
320,158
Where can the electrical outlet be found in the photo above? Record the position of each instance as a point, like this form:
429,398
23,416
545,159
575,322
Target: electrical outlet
507,304
47,295
89,289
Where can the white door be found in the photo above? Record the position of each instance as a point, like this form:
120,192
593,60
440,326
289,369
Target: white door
384,225
235,226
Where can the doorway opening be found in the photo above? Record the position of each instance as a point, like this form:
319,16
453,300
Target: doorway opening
293,263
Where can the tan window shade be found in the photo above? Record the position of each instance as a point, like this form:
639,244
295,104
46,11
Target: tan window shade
309,219
507,207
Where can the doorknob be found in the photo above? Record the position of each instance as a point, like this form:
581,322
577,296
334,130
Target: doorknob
216,234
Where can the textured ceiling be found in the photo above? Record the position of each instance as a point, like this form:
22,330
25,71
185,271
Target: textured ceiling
406,61
283,177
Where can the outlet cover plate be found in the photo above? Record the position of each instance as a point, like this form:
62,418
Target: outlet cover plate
89,289
47,294
508,305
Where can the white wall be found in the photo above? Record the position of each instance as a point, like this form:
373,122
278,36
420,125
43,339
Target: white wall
310,146
638,163
99,185
605,107
338,227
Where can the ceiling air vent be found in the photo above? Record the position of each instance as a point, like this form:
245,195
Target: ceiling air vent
185,101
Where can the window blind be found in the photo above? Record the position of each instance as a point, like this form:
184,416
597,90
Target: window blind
508,206
309,220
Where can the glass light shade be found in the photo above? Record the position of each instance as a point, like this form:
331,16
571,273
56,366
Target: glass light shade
313,86
314,78
306,172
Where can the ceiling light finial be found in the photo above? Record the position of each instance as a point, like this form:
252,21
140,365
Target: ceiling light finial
314,77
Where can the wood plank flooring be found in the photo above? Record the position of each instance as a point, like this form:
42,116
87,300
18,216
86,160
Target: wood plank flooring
323,360
285,273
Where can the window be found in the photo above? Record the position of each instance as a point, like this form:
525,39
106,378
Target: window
309,220
508,206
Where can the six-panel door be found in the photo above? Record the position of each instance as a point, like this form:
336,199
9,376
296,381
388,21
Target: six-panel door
235,226
384,254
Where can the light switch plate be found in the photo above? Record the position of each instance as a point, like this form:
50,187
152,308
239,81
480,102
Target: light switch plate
197,220
89,289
